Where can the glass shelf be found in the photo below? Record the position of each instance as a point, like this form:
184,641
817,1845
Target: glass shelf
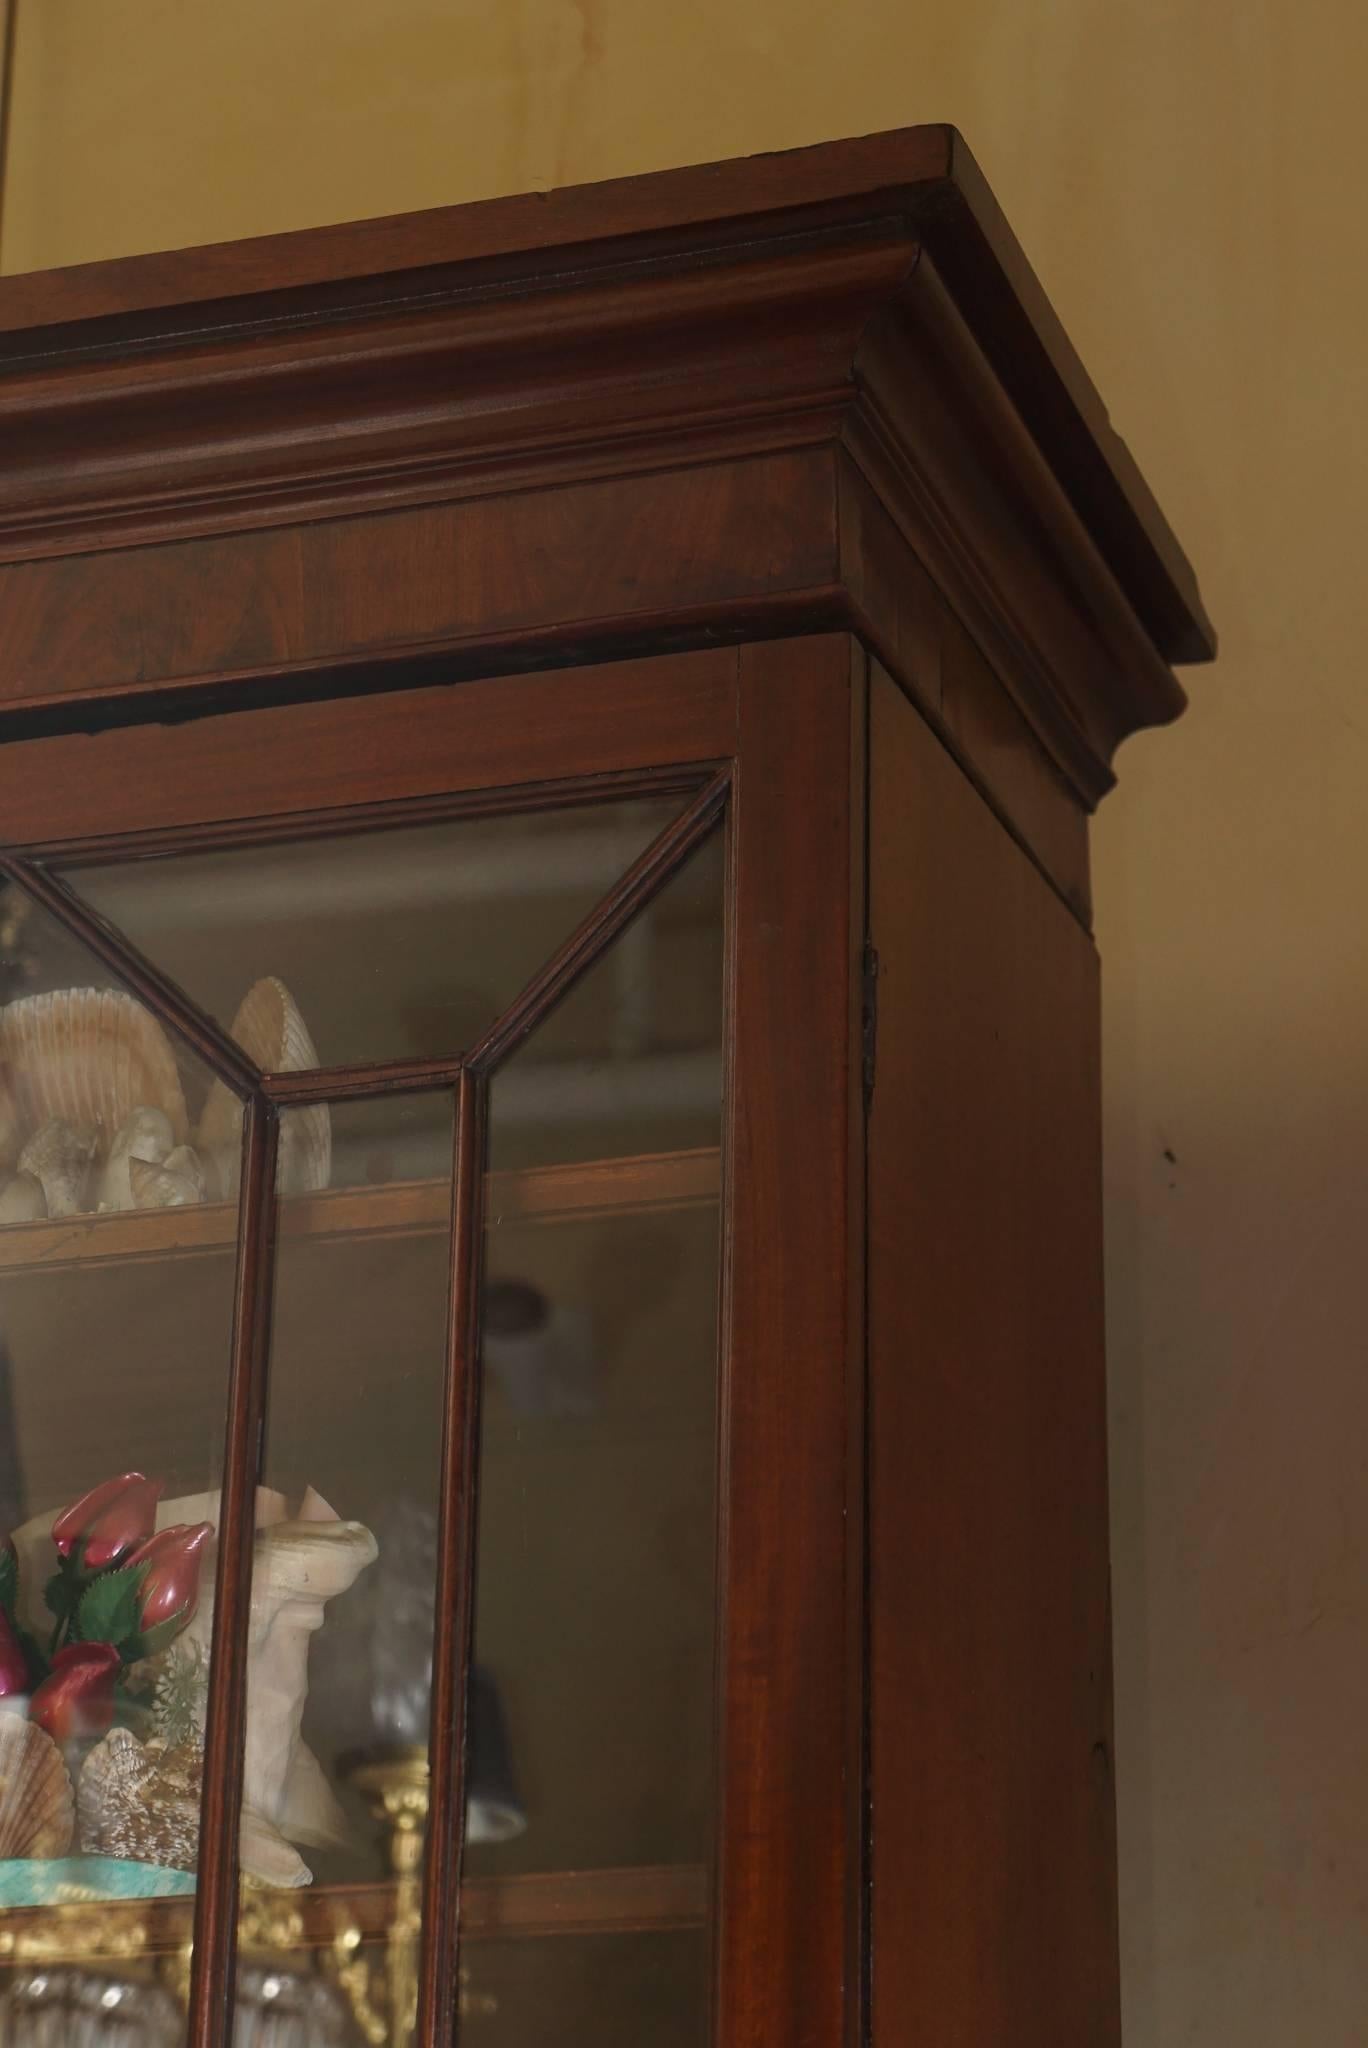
639,1184
647,1899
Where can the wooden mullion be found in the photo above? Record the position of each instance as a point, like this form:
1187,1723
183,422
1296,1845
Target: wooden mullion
455,1589
368,1078
231,835
212,1969
644,879
168,1002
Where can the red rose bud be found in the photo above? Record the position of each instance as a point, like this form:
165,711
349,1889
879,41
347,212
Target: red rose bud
13,1664
108,1521
170,1590
76,1702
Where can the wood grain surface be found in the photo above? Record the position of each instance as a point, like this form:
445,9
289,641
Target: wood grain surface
994,1878
788,1860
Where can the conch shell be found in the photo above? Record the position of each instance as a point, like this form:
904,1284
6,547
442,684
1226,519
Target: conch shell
59,1159
299,1565
271,1031
37,1808
88,1057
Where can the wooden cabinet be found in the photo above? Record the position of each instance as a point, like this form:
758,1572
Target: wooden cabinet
552,1105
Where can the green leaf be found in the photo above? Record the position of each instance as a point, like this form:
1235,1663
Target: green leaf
108,1612
9,1580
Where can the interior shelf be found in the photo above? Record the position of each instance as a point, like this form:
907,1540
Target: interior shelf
650,1899
546,1194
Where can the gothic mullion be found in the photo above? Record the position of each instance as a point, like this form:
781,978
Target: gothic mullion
212,1974
643,880
169,1003
455,1590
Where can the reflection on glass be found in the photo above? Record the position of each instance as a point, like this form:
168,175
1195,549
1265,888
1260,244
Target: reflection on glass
595,1594
614,1991
393,944
339,1671
113,1377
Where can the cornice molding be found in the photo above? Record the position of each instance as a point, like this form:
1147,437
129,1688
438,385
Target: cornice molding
861,298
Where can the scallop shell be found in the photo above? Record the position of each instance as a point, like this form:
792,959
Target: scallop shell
37,1808
59,1158
140,1801
22,1199
91,1057
271,1031
146,1135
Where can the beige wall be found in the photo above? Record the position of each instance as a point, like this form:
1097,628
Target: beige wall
1189,177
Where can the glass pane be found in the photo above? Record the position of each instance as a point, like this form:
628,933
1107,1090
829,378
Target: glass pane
649,1991
598,1450
116,1308
631,1061
339,1672
394,944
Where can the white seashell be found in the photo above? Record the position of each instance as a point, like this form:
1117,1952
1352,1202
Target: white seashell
164,1187
146,1135
271,1031
89,1057
22,1199
60,1158
185,1161
37,1806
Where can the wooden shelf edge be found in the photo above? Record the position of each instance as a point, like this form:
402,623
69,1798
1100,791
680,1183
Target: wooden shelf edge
641,1183
649,1899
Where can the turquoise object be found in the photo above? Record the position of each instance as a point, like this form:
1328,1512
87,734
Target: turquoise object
86,1880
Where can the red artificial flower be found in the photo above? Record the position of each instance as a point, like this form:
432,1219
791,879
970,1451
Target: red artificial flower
76,1702
170,1590
109,1521
13,1663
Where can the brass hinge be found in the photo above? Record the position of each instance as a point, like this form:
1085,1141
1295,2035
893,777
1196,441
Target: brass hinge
869,981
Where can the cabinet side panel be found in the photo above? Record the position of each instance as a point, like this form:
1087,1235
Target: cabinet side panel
993,1849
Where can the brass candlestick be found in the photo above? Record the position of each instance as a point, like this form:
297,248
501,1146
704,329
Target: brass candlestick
394,1784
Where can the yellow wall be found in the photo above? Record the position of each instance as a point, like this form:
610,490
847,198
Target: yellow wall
1188,176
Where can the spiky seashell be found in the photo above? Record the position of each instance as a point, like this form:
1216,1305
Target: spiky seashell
140,1801
22,1199
90,1057
171,1186
37,1812
59,1157
146,1135
270,1031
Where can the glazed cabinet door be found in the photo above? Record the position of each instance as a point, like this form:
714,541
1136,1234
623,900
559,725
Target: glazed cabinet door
426,1221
